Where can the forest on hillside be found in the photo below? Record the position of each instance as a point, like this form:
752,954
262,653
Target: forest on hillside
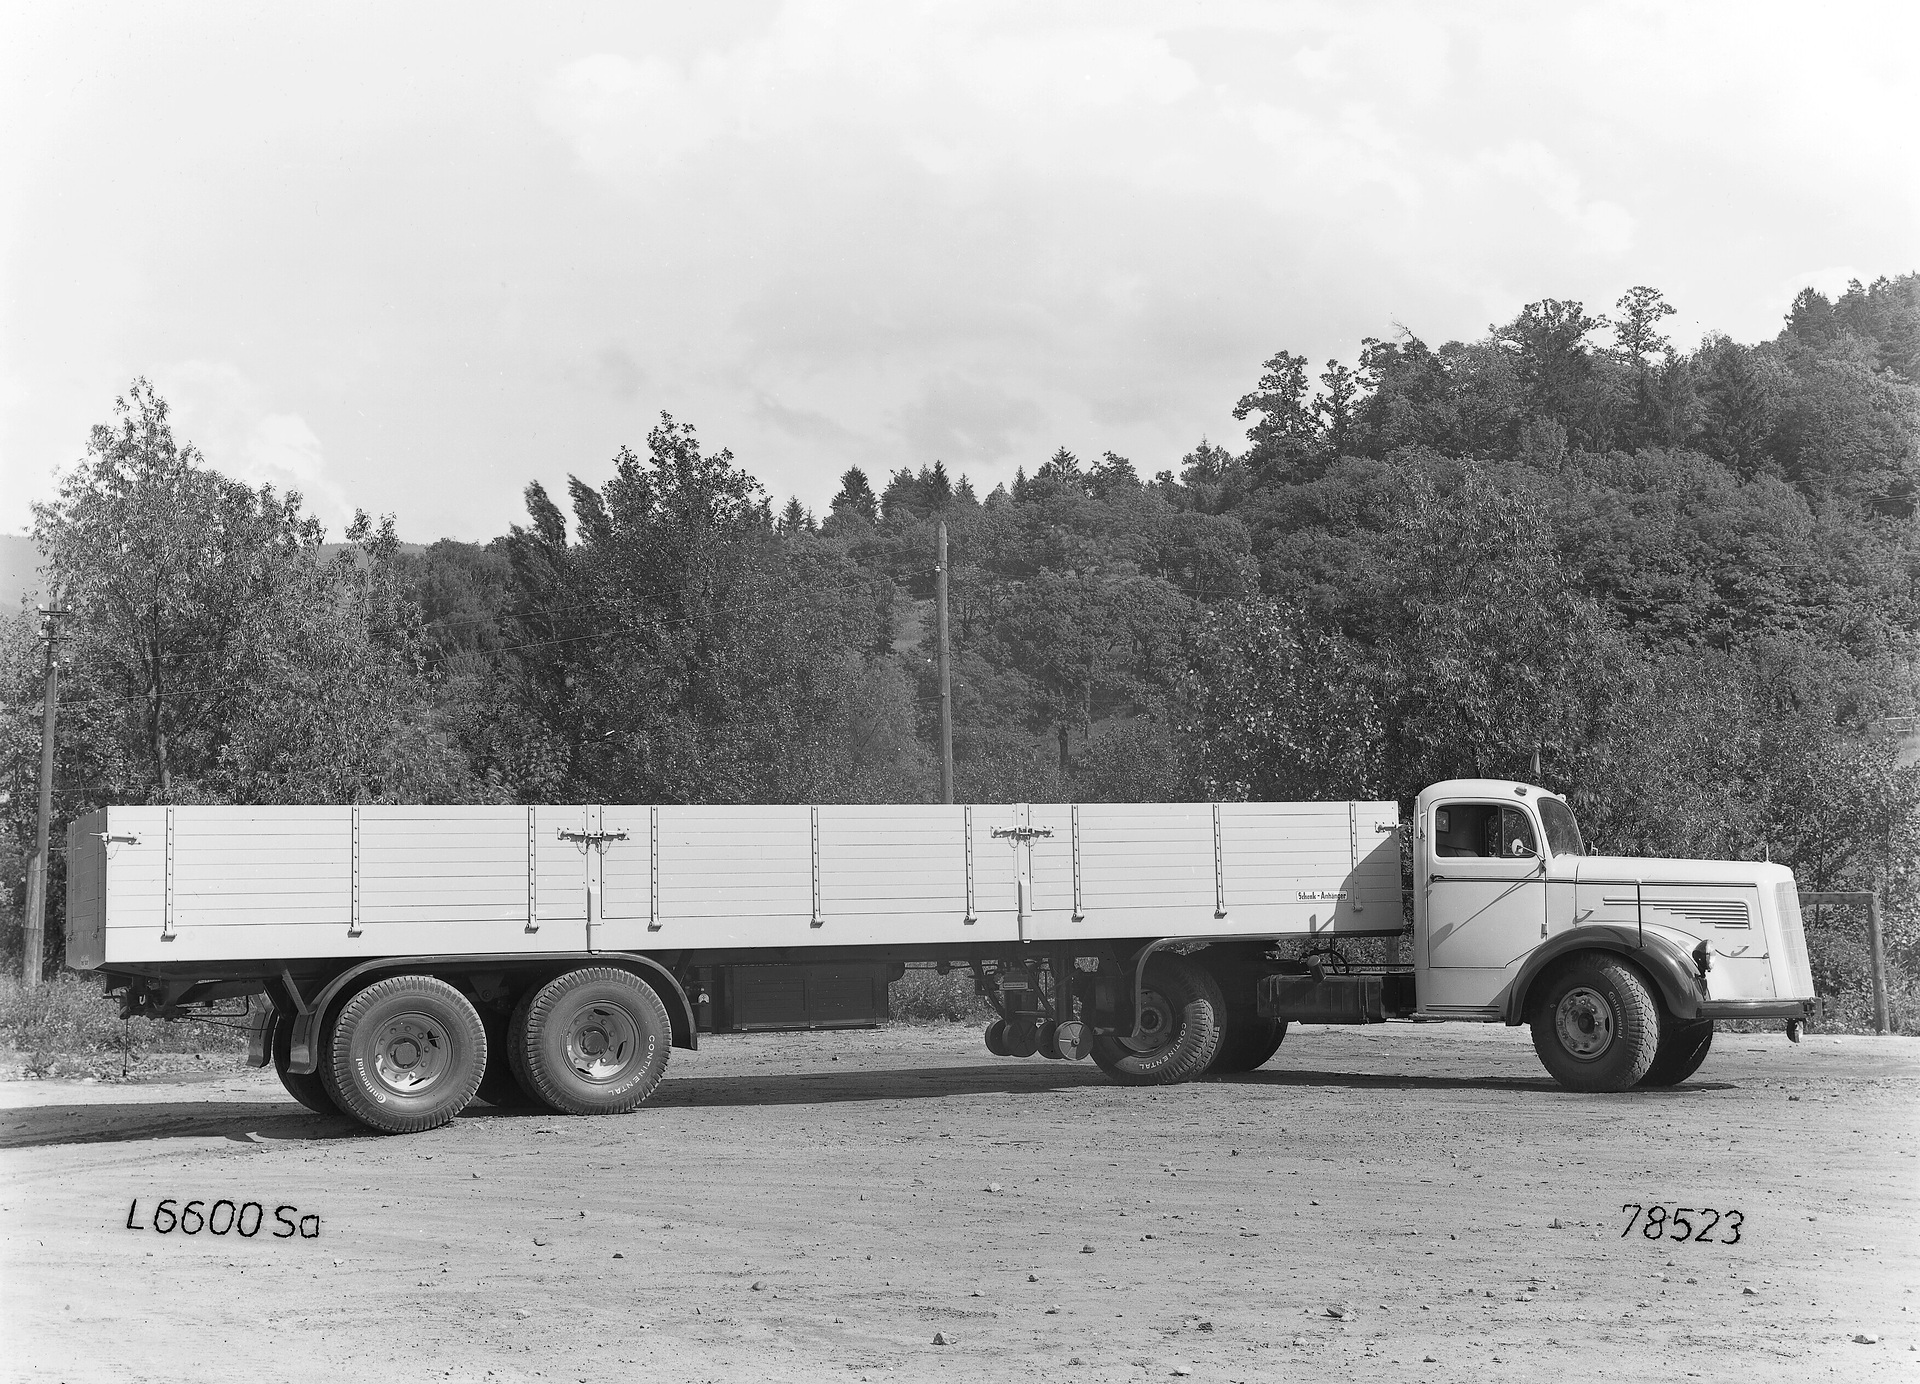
1682,587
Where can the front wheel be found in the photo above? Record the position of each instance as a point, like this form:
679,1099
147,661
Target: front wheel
406,1054
1247,1043
1596,1026
1179,1029
1683,1047
591,1042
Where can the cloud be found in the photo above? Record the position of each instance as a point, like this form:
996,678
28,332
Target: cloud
966,421
221,411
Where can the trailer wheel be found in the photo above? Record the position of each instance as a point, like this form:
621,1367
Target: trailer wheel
406,1054
1596,1026
1683,1047
591,1042
306,1087
1181,1009
1247,1042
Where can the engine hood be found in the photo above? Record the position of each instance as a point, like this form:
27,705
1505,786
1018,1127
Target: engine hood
1596,869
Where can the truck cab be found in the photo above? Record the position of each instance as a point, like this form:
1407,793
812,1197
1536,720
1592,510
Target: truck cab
1505,894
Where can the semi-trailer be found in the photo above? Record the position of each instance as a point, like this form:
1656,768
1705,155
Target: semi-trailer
399,961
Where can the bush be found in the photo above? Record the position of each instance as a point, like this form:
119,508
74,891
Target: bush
922,996
66,1027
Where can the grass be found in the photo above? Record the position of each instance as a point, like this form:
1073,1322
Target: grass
926,997
67,1028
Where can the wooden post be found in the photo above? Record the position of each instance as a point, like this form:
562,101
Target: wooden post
1876,945
946,674
38,875
1877,951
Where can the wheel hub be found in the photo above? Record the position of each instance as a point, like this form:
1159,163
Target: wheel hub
1155,1026
1584,1022
411,1052
602,1042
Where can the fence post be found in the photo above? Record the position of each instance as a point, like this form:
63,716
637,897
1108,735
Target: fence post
1877,949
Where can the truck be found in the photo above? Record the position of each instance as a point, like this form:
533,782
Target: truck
398,962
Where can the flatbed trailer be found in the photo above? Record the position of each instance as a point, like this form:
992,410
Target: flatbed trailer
411,958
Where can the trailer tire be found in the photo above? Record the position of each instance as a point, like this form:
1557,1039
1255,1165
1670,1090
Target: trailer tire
1187,1000
1247,1042
306,1087
405,1054
1596,1025
591,1042
1683,1047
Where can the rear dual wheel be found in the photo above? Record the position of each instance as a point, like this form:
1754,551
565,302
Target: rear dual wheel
404,1054
590,1042
1179,1029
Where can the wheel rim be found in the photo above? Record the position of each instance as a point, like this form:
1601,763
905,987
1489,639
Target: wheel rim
602,1041
412,1052
1155,1026
1584,1022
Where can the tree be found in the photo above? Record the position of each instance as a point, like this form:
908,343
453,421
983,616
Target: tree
1637,332
855,499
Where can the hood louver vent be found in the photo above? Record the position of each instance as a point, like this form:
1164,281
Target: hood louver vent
1727,913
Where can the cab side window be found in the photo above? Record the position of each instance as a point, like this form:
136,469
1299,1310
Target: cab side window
1516,840
1485,830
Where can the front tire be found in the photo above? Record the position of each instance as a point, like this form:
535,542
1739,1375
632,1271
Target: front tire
1181,1032
591,1042
1596,1026
406,1054
1683,1047
1248,1042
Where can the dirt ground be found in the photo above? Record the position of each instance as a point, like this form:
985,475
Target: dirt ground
1388,1203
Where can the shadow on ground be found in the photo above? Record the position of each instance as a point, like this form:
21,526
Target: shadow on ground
257,1121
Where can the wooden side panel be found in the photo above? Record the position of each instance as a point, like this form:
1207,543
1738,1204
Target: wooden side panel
894,864
254,883
136,885
1155,870
442,865
240,866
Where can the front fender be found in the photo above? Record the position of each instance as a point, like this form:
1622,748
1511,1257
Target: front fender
1669,967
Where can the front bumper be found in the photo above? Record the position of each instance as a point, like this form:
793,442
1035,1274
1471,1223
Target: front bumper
1811,1010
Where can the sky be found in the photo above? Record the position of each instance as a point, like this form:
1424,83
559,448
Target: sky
410,258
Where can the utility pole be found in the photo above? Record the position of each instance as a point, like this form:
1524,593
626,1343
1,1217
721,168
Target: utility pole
946,675
36,921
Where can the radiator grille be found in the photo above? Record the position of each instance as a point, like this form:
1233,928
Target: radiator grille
1798,982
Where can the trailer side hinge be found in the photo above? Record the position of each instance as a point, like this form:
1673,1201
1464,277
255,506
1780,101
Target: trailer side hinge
583,839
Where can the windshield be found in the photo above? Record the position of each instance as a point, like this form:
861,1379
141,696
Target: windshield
1563,833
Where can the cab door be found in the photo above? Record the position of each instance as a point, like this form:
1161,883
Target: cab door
1486,901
